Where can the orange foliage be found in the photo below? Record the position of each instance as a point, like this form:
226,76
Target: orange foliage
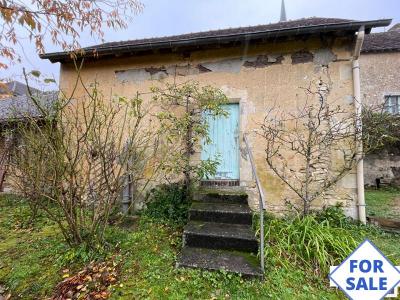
61,21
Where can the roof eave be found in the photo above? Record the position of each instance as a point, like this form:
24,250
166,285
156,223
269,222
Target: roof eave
348,26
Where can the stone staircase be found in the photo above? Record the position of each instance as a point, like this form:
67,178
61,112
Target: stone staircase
219,234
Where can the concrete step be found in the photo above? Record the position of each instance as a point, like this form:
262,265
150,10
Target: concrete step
221,213
236,262
220,196
220,236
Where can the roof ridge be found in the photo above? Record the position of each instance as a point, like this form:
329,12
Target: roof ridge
226,29
302,26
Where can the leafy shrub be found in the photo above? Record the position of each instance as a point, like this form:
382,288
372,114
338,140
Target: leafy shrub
381,130
313,241
335,217
168,203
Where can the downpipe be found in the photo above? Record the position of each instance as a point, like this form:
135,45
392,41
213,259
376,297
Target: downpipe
358,110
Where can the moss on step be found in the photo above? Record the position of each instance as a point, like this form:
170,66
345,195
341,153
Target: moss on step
220,191
250,258
228,260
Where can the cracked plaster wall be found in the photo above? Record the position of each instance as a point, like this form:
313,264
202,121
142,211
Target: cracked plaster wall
256,78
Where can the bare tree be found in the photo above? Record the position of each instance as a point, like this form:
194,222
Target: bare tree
313,147
73,162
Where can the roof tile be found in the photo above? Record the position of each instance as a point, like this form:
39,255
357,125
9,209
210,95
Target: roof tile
300,26
382,42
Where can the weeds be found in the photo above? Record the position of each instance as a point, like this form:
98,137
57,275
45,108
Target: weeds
312,241
168,204
32,263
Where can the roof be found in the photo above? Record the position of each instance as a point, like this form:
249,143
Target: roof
20,106
223,36
16,88
15,102
383,41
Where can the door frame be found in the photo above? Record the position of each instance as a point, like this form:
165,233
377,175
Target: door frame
229,182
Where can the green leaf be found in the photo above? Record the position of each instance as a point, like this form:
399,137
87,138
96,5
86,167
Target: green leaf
35,73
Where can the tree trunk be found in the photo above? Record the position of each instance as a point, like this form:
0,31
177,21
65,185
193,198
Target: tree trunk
188,148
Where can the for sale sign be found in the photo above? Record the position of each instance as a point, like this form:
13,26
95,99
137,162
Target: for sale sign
366,274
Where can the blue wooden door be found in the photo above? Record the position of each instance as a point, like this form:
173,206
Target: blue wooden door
224,134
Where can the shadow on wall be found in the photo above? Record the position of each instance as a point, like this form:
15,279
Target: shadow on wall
383,167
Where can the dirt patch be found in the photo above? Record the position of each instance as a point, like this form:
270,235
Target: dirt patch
384,223
129,223
393,219
396,207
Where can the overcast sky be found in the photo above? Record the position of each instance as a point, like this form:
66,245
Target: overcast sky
169,17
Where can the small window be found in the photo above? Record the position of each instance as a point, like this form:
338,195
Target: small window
392,104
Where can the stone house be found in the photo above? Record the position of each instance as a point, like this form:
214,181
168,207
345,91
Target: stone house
380,83
255,66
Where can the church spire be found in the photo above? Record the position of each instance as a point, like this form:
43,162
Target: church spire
283,12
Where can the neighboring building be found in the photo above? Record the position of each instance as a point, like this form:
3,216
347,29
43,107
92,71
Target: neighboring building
255,66
15,88
15,106
380,83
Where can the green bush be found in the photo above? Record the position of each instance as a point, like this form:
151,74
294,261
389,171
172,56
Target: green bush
311,241
168,203
335,217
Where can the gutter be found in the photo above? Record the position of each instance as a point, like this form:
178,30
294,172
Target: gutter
108,50
358,110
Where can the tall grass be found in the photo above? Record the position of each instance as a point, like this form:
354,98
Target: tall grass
312,241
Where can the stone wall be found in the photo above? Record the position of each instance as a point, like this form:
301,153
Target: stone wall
380,76
255,76
384,165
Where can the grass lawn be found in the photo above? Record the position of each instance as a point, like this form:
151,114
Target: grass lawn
384,203
32,261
